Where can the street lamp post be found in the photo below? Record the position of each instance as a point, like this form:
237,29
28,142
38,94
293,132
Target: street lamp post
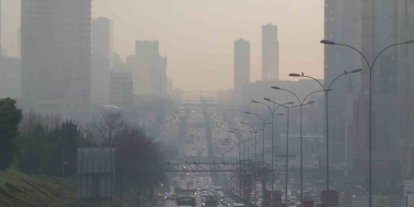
262,121
272,112
240,183
287,156
370,66
326,93
287,142
239,158
245,156
229,154
254,131
301,104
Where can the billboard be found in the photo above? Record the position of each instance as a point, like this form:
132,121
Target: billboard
96,173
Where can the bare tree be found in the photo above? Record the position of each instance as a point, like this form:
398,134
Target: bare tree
31,120
107,125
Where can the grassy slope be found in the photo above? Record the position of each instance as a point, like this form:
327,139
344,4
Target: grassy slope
20,190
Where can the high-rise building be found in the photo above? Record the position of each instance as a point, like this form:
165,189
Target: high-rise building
10,77
241,66
158,78
101,38
121,89
150,75
385,23
342,24
55,50
1,48
270,52
100,52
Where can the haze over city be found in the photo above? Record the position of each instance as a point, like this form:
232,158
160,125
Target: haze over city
197,36
207,103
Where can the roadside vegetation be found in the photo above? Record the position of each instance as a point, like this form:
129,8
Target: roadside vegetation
38,157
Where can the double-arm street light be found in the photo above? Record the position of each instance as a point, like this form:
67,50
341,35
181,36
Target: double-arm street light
301,102
246,153
263,122
287,141
237,132
254,131
370,66
287,155
272,111
326,93
233,149
239,160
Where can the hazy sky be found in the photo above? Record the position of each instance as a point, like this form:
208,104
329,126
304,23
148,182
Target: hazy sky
198,35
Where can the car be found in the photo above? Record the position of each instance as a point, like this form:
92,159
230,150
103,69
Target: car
227,202
238,205
210,203
220,194
189,192
185,201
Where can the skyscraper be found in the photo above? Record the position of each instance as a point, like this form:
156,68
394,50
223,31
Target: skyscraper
150,76
0,30
101,50
342,24
101,29
385,23
270,52
241,66
121,89
56,48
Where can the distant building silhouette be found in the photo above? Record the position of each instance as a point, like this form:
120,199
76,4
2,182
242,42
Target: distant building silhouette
270,52
55,50
101,50
241,66
121,93
10,77
149,76
1,46
10,72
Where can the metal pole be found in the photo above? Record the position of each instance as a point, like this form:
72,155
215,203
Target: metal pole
248,149
239,170
327,144
273,157
255,147
264,168
263,150
287,159
370,138
244,149
255,163
301,156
